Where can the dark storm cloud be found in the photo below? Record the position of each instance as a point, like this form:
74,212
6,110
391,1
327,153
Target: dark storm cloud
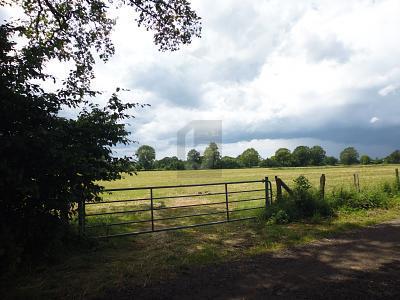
349,124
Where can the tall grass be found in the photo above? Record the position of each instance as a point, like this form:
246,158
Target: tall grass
307,203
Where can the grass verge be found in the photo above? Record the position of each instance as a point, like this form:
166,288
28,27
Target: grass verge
142,260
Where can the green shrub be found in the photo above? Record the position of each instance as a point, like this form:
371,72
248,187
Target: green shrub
304,203
373,197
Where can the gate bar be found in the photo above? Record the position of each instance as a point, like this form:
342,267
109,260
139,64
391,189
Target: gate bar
180,186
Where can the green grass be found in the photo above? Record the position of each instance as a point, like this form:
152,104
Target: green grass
140,260
335,177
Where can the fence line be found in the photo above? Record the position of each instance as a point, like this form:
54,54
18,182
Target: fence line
152,209
268,196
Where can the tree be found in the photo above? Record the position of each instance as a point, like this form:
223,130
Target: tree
301,156
193,159
349,156
365,160
146,156
283,157
317,156
330,161
228,162
169,163
76,31
393,158
269,163
211,157
249,158
49,162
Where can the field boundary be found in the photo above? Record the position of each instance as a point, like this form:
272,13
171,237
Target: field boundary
267,197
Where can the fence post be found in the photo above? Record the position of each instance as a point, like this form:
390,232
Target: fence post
152,209
356,182
278,188
322,185
397,178
227,201
270,191
266,192
81,216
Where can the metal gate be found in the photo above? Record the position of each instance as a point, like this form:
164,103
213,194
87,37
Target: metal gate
149,209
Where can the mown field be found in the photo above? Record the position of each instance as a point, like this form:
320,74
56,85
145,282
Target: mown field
121,263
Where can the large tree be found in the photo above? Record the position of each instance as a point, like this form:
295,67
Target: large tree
349,156
317,156
249,158
193,159
365,160
284,157
393,158
211,157
301,156
145,157
49,162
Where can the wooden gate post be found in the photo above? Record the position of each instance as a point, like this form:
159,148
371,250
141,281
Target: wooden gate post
397,178
266,192
278,188
356,182
322,185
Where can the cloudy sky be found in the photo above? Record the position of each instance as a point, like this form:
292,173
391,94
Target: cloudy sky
275,73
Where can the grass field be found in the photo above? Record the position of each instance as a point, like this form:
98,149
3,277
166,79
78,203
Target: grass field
139,260
335,177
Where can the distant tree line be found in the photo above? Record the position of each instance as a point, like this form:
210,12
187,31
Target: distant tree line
302,156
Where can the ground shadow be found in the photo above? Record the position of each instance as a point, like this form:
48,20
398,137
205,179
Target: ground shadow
362,264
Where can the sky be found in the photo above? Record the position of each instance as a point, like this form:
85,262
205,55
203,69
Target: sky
266,74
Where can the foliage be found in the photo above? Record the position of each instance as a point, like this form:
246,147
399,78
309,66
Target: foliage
304,203
301,156
284,157
249,158
228,162
268,163
169,163
330,161
307,203
76,31
193,159
317,156
49,162
365,199
211,157
393,158
349,156
146,156
365,160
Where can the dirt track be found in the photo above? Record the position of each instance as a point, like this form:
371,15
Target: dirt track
361,264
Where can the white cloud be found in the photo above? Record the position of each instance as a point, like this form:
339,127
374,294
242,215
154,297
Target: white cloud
374,120
389,89
274,67
275,72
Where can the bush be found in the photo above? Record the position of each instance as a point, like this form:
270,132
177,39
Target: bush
304,203
373,197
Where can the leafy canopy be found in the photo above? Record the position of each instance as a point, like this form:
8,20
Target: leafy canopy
212,157
48,162
146,156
